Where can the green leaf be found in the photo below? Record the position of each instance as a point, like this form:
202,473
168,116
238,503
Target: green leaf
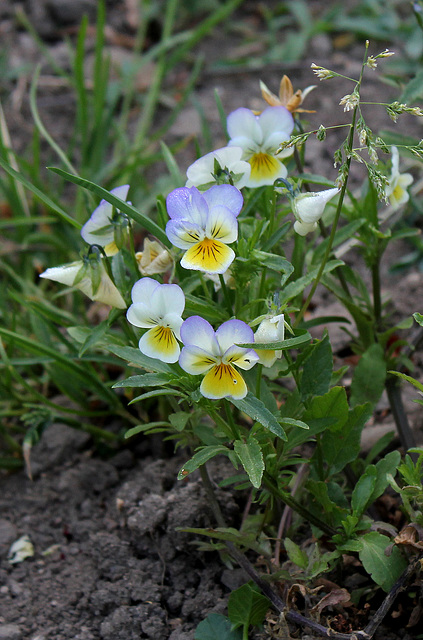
254,408
201,457
363,490
341,447
333,404
317,370
369,376
134,356
295,554
404,376
418,317
216,627
145,380
251,458
301,338
385,570
246,606
123,206
274,262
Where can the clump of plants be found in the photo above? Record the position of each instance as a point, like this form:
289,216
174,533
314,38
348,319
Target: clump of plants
211,317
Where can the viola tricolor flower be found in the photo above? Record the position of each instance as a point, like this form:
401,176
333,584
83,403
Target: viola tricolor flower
203,171
157,307
271,329
215,354
204,224
396,190
308,209
100,228
260,136
91,278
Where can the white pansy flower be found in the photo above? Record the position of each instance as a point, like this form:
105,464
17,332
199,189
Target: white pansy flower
158,308
202,173
260,137
271,329
100,228
80,275
308,209
396,190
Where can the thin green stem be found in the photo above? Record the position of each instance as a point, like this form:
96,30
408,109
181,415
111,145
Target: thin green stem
348,148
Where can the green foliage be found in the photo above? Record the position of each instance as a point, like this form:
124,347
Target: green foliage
216,627
246,607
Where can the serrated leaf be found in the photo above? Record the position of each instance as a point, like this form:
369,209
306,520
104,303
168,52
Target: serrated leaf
255,408
251,458
385,570
333,404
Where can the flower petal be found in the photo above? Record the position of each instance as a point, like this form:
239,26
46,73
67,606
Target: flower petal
243,123
224,195
143,290
275,119
195,360
233,332
184,233
265,169
187,203
196,331
222,381
96,230
222,225
160,342
244,358
210,256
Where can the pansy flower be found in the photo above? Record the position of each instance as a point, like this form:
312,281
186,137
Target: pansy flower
396,190
101,227
158,308
271,329
90,277
308,208
216,354
260,136
203,171
204,224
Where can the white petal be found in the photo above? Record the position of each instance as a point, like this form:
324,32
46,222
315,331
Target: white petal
64,274
143,290
243,123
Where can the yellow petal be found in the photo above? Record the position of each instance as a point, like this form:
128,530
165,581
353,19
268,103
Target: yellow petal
264,167
160,343
208,255
221,381
286,91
